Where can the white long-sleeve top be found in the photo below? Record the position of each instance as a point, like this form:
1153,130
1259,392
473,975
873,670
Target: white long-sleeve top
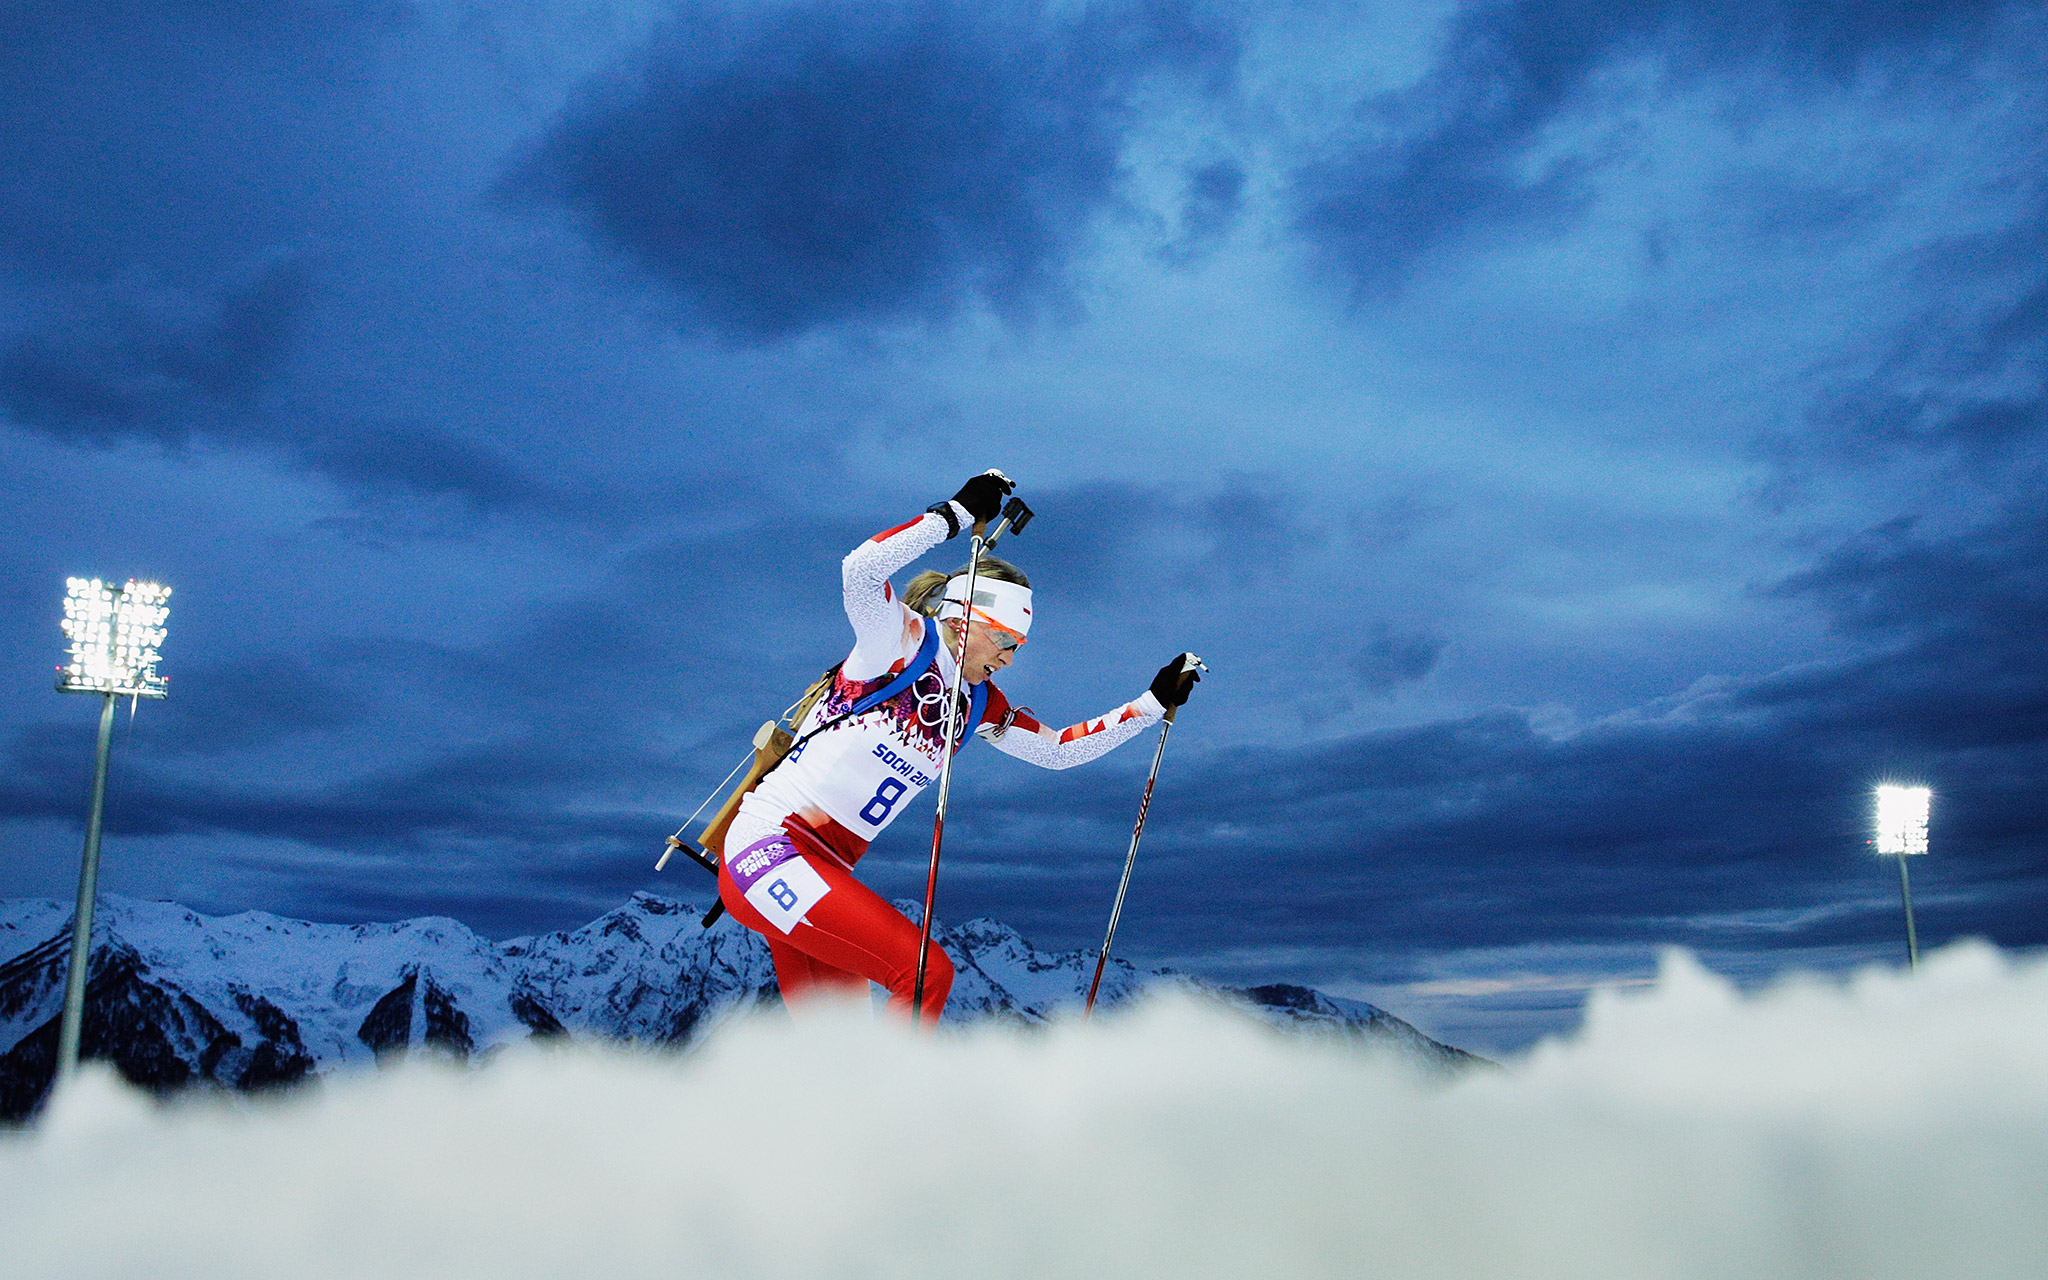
849,782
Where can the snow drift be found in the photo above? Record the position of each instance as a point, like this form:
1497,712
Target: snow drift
1892,1126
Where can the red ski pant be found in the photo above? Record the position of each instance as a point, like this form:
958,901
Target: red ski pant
846,939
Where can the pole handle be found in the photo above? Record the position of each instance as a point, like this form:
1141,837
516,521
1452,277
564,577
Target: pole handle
1191,663
1015,516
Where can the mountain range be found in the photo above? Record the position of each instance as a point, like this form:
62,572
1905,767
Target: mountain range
251,1001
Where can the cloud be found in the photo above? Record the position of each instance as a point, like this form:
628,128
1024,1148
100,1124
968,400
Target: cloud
1460,151
421,460
252,704
154,363
1892,580
176,367
1252,529
164,133
1209,208
1085,537
812,165
1955,688
532,806
1392,658
1968,375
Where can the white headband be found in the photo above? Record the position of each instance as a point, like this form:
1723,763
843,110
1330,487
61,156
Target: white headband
1004,603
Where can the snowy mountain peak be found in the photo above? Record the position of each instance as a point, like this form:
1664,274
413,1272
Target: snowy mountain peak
253,999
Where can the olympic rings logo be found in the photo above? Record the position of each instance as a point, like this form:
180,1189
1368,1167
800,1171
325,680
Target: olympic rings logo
935,701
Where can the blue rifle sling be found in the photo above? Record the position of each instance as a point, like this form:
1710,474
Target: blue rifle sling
976,702
927,653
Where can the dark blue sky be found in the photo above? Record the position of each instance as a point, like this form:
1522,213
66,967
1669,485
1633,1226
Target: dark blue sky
1592,445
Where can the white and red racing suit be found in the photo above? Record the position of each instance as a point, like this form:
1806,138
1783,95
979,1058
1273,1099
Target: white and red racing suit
790,852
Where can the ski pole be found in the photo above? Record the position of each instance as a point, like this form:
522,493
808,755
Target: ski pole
1131,859
1015,515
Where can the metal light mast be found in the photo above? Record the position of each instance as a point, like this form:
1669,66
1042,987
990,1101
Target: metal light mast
114,633
1901,833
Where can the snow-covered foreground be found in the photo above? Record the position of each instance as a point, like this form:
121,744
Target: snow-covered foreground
1894,1126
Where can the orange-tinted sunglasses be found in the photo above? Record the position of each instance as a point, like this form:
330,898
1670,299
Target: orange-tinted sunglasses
1005,639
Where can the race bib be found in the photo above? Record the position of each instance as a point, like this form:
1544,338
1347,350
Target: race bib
777,881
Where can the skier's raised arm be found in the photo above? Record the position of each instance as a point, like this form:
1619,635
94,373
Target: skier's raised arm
884,631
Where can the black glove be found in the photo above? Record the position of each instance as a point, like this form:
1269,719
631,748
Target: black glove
983,496
1173,684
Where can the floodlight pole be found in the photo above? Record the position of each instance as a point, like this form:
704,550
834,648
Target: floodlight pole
1912,939
114,633
1902,832
70,1031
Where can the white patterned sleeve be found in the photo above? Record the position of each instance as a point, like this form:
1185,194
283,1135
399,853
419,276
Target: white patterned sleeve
884,631
1034,743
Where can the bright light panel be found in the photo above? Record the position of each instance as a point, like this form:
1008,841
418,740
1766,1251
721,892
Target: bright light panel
114,633
1902,819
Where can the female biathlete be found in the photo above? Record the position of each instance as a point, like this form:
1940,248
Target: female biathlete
787,872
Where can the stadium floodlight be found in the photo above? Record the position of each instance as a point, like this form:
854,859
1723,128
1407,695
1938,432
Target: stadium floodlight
1902,819
1901,833
115,633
